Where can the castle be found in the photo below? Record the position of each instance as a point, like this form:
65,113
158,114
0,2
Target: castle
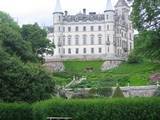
107,36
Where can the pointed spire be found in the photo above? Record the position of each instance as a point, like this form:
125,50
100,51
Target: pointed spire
109,5
58,7
121,3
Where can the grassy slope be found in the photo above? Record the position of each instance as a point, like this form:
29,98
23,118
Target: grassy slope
136,74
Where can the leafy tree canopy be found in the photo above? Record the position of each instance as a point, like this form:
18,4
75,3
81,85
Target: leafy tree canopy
146,14
37,37
22,77
146,19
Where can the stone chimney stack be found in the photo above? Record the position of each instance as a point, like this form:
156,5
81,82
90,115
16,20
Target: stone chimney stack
65,13
84,11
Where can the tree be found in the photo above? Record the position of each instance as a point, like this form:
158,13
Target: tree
38,38
12,42
8,21
146,19
23,82
118,93
146,14
22,77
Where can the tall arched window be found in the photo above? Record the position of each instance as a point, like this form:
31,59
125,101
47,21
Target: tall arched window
64,40
69,39
84,39
92,39
69,50
99,39
76,39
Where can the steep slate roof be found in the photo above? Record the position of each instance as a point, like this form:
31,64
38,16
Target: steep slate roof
121,3
83,17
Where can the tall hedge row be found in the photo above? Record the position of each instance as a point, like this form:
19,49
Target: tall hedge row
98,109
95,109
15,111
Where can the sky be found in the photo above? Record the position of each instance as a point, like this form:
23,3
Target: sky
40,11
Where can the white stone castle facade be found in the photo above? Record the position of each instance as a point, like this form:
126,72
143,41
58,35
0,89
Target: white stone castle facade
93,36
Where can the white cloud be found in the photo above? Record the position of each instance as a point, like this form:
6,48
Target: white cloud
30,11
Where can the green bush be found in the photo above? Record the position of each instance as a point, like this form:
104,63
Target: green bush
104,92
15,111
157,92
118,93
100,109
86,109
133,58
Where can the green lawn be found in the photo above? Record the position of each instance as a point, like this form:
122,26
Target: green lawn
135,74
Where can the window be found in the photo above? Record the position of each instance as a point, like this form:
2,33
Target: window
59,18
122,34
108,49
69,29
69,51
77,40
59,50
63,29
125,35
63,51
64,42
92,28
77,50
69,40
107,27
100,50
130,36
92,39
99,28
92,50
108,38
84,39
107,17
84,50
84,28
100,39
59,29
59,41
77,29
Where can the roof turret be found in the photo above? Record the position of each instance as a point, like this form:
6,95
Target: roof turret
58,8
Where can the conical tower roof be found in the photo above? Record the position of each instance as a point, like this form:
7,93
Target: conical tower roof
121,3
109,5
58,7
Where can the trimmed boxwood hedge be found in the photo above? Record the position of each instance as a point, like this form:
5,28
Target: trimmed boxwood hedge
86,109
100,109
14,111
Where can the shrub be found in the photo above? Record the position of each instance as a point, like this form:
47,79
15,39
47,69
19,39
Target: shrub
133,59
118,93
106,92
157,92
15,111
100,109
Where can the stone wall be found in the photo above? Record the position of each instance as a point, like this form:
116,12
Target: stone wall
107,65
56,66
139,91
134,91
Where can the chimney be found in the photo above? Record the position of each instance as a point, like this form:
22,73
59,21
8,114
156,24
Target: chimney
66,13
84,11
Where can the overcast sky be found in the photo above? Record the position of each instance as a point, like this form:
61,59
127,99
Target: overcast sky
31,11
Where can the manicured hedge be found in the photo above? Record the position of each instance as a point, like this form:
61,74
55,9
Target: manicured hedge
15,111
100,109
93,109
